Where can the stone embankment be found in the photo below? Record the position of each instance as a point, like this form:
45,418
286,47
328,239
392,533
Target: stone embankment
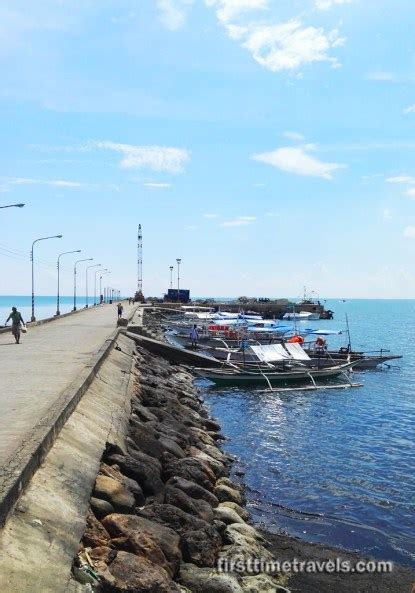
164,514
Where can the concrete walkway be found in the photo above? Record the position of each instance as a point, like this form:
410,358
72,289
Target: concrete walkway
47,361
42,535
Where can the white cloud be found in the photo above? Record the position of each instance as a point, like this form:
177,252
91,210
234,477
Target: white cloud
50,182
156,158
327,4
409,232
410,109
411,193
211,216
239,221
294,136
296,160
405,179
282,46
289,45
191,227
156,185
381,76
173,12
227,10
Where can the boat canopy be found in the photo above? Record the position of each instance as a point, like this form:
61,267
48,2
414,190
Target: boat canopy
277,352
271,352
326,332
278,329
296,351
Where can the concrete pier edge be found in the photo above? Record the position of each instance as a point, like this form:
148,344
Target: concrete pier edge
27,459
42,534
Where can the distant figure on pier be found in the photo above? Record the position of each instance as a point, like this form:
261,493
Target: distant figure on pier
194,336
129,301
17,319
120,309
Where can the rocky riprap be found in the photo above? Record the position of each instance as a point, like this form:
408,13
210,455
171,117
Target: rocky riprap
164,511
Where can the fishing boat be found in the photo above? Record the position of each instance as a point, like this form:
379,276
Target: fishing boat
232,375
309,355
364,360
318,349
301,316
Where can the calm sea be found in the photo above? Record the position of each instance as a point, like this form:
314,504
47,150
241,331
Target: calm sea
336,467
45,306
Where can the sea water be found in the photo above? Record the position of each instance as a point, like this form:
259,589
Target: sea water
335,467
45,306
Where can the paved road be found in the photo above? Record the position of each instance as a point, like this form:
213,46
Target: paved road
49,357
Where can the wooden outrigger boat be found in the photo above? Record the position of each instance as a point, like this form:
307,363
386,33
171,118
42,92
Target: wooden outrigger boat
365,360
321,359
232,375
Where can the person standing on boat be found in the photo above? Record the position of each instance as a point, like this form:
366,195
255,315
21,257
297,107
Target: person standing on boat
194,336
320,344
17,319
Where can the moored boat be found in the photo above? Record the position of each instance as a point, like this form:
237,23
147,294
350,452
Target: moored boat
239,376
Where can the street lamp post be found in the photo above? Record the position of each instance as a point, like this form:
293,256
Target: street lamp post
33,318
102,297
59,257
95,285
13,206
171,276
74,279
178,279
86,283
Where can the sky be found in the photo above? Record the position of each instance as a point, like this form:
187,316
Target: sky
268,144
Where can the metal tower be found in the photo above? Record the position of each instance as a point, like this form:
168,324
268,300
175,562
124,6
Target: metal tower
139,297
140,261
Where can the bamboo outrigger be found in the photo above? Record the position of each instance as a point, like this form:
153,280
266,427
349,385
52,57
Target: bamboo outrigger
232,375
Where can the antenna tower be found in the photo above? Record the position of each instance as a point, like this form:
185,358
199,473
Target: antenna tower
140,261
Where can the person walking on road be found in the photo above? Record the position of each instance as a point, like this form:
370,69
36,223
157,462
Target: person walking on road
120,309
17,319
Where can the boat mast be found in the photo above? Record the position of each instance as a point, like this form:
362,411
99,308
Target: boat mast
348,333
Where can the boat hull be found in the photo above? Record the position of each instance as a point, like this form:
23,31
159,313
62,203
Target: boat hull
229,378
364,362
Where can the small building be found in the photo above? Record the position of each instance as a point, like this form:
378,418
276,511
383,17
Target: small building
173,295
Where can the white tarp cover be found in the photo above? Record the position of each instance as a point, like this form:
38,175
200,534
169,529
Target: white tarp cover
271,352
296,351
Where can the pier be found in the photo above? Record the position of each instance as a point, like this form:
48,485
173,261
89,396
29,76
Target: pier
42,379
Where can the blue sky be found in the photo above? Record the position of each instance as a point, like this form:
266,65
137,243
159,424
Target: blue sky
268,144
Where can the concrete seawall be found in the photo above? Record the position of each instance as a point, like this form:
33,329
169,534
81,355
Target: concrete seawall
42,381
41,537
